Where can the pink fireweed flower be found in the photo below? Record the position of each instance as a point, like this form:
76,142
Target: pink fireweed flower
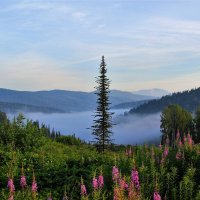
34,186
115,173
11,185
160,146
122,184
162,160
100,181
156,196
177,135
178,155
116,194
135,178
130,194
180,144
11,197
23,183
166,152
83,190
189,139
95,183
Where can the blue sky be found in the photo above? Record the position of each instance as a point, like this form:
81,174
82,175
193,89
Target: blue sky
58,44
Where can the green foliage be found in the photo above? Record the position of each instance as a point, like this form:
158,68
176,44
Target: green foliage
69,140
197,124
59,163
173,119
187,185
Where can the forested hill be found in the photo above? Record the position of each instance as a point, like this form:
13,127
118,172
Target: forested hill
189,100
59,100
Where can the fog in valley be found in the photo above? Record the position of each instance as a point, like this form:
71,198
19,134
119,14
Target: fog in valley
132,129
137,129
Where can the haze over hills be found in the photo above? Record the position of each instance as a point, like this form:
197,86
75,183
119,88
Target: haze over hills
189,100
155,92
18,107
128,105
60,100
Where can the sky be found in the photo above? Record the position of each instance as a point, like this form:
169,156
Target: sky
58,44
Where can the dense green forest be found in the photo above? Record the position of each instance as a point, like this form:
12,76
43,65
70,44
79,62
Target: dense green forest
37,163
189,100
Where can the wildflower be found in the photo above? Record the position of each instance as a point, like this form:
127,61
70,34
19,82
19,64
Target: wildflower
83,190
178,155
132,193
162,160
95,183
189,139
23,183
11,197
122,184
115,173
135,179
156,196
166,151
11,185
100,181
180,144
116,194
178,135
34,186
160,146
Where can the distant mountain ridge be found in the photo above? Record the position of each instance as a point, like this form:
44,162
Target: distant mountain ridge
155,92
61,100
189,100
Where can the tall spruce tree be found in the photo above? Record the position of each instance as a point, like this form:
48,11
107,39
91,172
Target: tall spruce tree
102,123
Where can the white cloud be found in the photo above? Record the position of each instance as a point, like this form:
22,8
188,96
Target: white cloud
34,72
37,5
79,15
